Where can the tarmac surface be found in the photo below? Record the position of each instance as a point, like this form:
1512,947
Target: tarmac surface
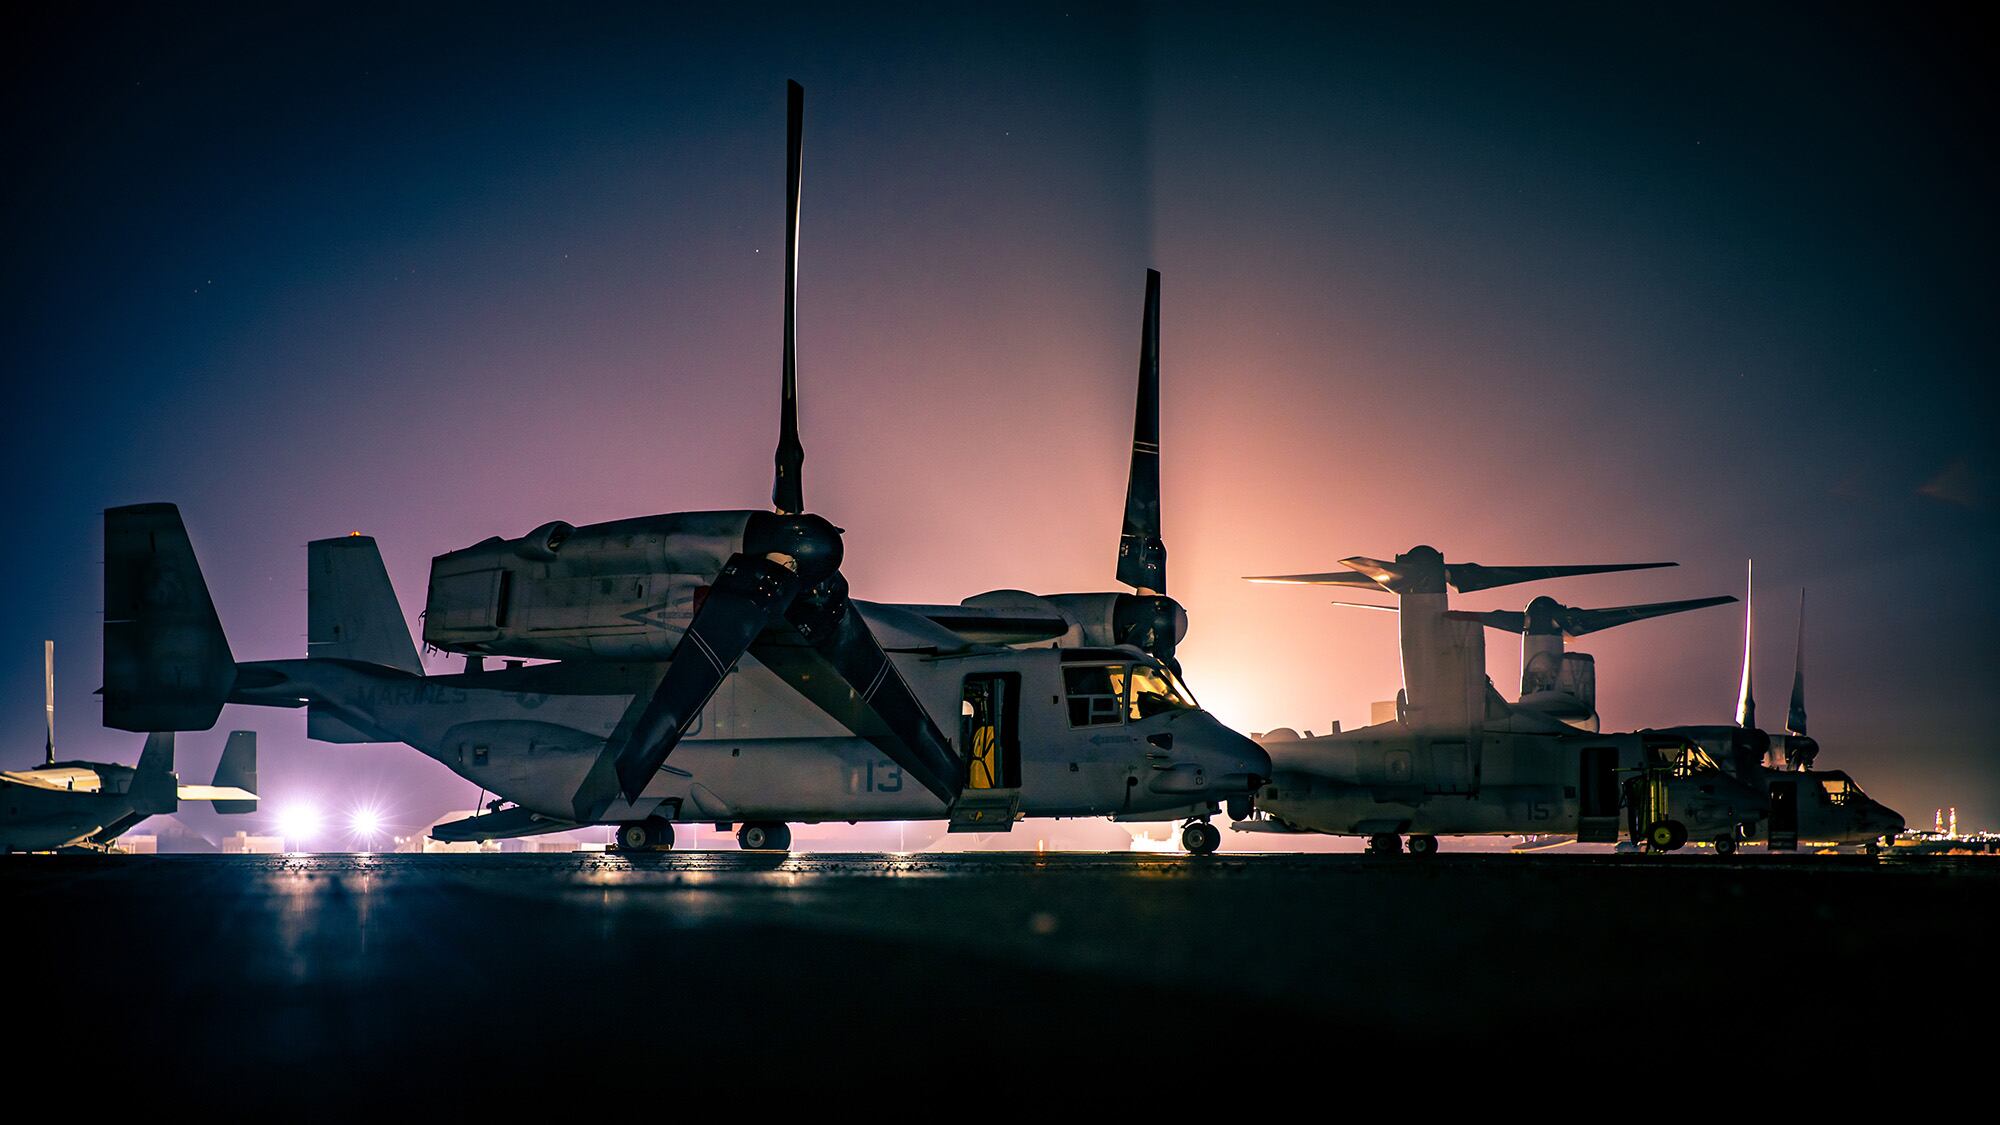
532,973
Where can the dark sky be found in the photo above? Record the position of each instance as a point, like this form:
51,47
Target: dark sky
1561,285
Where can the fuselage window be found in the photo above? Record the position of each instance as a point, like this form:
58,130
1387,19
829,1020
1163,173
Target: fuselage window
1096,694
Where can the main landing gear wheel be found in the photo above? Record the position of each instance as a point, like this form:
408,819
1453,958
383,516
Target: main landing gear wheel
1385,843
1666,835
1423,845
764,836
1725,844
652,834
1201,839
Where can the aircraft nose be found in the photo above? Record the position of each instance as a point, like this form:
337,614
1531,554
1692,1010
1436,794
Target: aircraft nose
1242,764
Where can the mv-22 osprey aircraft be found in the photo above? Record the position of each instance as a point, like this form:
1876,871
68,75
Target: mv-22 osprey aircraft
1460,760
1811,808
88,805
712,667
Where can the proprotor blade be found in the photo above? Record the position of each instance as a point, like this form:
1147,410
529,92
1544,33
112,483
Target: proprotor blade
1795,715
745,597
1573,622
1467,577
1505,620
788,489
1331,578
49,699
1142,552
1746,699
837,663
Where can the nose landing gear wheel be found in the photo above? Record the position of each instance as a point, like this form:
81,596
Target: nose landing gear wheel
1725,844
1385,843
1666,836
1423,845
764,836
1201,839
652,834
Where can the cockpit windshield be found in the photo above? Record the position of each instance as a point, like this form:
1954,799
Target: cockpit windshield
1104,694
1840,789
1690,759
1155,691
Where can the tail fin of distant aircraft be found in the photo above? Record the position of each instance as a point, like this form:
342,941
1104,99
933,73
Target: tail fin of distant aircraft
235,787
351,609
238,770
167,664
154,789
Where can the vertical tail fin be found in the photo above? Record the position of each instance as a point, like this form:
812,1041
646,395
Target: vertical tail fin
238,770
154,789
351,608
167,665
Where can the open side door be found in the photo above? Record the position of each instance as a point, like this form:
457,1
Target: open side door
1597,795
1783,833
989,739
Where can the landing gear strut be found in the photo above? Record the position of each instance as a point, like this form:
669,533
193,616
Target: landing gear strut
649,835
1385,843
764,836
1201,838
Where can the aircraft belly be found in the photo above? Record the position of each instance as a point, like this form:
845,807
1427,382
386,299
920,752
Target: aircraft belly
1340,809
807,779
36,821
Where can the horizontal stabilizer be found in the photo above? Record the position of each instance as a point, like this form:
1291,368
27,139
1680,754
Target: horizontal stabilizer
167,665
222,795
503,825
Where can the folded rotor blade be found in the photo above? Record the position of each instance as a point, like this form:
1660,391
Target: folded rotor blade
847,675
1467,577
1334,578
1366,605
744,598
1578,622
1505,620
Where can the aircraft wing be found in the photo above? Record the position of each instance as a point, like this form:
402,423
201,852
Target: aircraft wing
503,825
69,779
980,625
214,793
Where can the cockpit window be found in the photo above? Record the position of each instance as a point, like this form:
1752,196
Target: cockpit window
1096,693
1840,790
1692,759
1156,691
1103,694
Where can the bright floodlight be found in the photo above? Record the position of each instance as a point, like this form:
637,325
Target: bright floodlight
298,823
365,823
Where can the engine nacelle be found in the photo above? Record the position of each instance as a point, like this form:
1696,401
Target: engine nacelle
1121,619
624,590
